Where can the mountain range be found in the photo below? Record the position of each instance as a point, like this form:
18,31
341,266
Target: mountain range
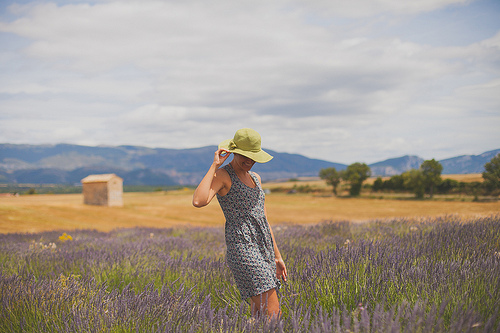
68,164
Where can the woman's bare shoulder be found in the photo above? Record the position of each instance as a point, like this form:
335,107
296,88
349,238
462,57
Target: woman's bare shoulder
221,172
258,176
223,176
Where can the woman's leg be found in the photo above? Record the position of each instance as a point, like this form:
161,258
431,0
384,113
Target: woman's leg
266,303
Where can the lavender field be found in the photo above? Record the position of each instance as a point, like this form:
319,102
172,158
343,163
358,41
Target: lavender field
400,275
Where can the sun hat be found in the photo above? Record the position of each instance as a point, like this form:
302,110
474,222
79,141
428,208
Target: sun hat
246,142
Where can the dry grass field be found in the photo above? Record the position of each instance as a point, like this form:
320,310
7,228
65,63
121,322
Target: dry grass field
35,213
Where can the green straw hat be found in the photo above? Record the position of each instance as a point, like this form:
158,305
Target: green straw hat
246,142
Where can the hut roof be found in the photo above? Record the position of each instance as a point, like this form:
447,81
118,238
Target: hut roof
104,178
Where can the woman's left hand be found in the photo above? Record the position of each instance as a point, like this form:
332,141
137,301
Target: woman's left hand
281,270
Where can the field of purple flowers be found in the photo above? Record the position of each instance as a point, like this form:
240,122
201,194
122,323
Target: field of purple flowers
400,275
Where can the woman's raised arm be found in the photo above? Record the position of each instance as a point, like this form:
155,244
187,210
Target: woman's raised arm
212,182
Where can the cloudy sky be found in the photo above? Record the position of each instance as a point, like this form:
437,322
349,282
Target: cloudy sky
344,81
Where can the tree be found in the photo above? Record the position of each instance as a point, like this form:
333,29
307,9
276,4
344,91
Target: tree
378,184
355,175
414,181
431,172
447,185
491,174
395,183
331,176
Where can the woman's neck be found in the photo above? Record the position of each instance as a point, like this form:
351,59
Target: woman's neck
237,169
243,175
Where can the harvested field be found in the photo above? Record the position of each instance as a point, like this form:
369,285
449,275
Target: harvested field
37,213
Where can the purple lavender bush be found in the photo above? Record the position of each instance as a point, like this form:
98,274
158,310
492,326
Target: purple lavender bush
400,275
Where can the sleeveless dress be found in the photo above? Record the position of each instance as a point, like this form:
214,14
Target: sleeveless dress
250,250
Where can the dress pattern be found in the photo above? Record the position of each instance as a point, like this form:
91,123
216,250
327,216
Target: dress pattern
250,251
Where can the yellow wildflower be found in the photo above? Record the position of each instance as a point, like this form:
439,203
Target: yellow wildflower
64,237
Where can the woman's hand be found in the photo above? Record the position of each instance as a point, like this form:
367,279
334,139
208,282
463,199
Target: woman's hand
220,157
281,270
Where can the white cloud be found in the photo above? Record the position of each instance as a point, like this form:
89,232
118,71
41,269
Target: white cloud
370,8
312,76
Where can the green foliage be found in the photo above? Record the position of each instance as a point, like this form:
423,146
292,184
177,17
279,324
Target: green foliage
431,172
491,174
377,184
331,176
355,175
395,183
447,185
414,180
302,189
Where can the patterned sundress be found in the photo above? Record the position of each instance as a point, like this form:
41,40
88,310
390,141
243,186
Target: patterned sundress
250,251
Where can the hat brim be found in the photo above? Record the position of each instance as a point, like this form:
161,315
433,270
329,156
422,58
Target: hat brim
260,157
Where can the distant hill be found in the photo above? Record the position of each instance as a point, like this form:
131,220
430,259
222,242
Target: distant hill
456,165
68,164
395,166
468,163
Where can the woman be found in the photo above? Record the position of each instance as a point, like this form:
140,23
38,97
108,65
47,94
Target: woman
252,254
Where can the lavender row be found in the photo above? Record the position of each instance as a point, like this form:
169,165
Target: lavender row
73,305
438,274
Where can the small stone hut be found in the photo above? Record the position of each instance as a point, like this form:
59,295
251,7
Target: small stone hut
103,190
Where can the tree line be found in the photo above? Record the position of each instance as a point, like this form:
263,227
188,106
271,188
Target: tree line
426,179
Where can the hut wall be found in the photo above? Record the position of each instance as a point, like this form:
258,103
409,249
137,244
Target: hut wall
115,192
95,194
